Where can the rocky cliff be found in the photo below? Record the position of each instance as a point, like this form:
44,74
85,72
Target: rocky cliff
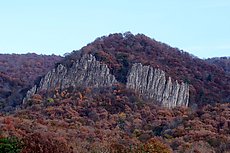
84,72
153,83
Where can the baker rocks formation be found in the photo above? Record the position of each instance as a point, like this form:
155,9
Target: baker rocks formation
84,72
153,83
87,71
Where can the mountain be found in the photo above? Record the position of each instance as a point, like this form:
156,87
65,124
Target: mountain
221,62
120,51
167,75
18,73
121,93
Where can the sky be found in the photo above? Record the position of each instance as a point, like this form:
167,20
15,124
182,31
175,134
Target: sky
200,27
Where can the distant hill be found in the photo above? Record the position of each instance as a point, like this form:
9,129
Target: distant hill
18,73
221,62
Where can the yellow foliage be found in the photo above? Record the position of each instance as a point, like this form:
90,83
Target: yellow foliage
154,145
80,96
122,115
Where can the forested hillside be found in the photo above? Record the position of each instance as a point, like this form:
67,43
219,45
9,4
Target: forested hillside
222,62
81,103
120,51
18,73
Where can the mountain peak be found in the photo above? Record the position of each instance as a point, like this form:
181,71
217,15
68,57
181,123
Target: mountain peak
120,51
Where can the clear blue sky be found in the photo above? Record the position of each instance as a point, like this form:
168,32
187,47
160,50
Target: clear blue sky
201,27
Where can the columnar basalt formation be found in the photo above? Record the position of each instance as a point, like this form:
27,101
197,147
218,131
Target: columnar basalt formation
84,72
88,72
152,83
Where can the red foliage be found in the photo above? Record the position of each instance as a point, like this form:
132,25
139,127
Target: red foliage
222,62
116,119
208,83
18,73
43,142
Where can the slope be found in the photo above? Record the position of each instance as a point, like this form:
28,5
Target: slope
208,83
18,73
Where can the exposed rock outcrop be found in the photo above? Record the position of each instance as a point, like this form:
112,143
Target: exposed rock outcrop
153,83
84,72
87,71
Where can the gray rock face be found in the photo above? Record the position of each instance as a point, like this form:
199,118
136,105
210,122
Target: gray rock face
30,93
85,72
152,83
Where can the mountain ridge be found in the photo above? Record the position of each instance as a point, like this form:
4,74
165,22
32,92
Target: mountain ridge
120,51
222,62
116,118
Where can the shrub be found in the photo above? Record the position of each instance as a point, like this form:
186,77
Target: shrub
10,145
50,100
45,142
154,145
